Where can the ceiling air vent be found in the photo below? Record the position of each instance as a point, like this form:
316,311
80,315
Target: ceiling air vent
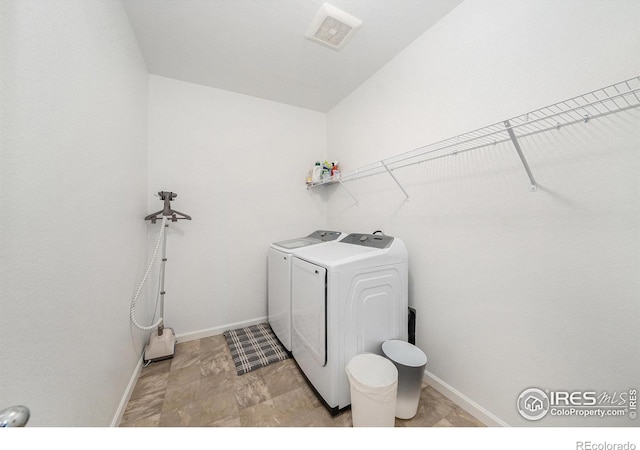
332,27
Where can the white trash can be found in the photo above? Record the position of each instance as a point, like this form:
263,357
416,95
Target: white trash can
410,362
373,382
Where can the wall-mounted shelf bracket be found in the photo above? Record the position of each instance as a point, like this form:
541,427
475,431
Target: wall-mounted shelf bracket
333,181
394,179
348,192
516,144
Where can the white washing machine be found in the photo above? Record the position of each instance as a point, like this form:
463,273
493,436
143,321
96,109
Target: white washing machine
348,297
279,280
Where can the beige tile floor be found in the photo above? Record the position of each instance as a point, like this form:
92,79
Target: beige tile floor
199,387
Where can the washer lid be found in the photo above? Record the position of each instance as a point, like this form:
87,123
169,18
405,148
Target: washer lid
297,243
317,237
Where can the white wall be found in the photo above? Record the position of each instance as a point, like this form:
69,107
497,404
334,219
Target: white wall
513,289
238,165
73,90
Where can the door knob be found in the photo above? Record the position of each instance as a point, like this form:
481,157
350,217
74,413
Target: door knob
15,416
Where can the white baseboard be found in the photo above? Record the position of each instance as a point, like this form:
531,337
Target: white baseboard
127,394
464,402
192,336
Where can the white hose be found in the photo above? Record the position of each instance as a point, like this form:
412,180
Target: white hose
144,279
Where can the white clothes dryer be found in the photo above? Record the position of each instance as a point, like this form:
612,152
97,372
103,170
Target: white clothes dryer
279,280
348,297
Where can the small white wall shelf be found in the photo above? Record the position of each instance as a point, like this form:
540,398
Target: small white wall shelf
333,180
611,99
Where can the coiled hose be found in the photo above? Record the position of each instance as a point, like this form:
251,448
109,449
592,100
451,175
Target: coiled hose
144,279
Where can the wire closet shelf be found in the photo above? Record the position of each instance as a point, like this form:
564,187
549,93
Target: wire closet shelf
611,99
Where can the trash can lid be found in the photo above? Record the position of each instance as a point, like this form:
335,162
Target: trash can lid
372,370
404,353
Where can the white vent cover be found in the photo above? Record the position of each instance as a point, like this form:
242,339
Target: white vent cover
332,27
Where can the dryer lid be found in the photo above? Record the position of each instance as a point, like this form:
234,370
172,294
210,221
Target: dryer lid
369,240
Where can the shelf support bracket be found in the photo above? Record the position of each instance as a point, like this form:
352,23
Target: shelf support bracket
348,192
534,185
394,179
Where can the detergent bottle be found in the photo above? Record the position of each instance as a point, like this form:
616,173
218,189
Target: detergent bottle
310,176
316,175
326,171
335,171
